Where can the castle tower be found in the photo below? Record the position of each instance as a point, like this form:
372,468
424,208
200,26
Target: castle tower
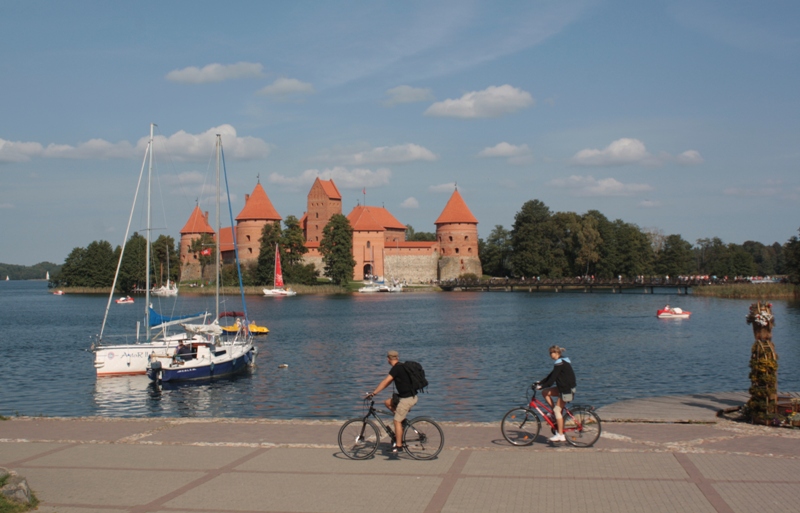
257,212
457,235
374,229
324,200
194,228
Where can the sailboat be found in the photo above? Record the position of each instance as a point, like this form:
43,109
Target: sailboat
132,358
277,286
169,289
209,354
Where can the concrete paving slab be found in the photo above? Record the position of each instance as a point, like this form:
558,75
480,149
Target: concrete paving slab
253,432
785,447
598,496
12,452
144,457
77,429
732,467
674,408
750,497
661,433
105,488
329,461
576,465
327,493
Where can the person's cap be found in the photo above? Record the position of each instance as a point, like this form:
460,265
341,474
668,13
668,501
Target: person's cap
393,354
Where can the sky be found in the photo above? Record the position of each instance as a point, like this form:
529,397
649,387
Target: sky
680,116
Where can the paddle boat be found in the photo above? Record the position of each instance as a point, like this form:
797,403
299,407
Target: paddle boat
58,293
124,300
672,313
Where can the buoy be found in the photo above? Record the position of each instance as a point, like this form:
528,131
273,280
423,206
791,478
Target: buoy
283,366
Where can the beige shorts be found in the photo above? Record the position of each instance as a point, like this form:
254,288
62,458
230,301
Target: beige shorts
403,407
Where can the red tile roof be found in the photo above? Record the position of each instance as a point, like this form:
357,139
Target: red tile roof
258,206
456,211
197,223
330,189
226,239
364,218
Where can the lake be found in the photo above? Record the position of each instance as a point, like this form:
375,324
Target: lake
481,351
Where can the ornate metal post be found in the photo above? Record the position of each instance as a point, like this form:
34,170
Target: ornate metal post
762,406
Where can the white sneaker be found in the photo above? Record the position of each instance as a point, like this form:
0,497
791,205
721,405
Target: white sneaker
558,437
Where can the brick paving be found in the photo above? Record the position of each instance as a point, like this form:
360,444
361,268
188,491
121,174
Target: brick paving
707,464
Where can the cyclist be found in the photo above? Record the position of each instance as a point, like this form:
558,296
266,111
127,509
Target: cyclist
401,402
564,378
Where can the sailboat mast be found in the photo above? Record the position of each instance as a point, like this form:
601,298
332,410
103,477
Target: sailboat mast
147,249
219,234
275,271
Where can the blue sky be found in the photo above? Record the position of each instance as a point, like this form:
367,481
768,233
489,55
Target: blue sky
679,116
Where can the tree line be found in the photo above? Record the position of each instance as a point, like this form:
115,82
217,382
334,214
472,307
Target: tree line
95,265
547,244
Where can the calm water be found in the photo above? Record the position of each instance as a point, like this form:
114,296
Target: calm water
480,350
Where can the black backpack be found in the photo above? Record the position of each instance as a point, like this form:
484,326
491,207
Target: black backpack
416,375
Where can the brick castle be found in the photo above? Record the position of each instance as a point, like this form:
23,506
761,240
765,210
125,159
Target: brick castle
379,245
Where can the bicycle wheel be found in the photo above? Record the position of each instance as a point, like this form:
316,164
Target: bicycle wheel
520,426
359,439
423,439
582,428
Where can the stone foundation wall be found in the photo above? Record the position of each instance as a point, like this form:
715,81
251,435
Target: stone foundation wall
453,267
317,261
411,268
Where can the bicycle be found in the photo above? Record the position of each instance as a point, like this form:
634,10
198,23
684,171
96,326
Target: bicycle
521,425
359,438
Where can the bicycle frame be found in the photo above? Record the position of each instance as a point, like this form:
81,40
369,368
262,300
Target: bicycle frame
373,412
546,412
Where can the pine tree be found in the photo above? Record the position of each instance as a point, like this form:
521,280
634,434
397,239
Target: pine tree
265,270
337,250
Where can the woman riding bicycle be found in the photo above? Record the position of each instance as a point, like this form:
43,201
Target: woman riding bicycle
564,378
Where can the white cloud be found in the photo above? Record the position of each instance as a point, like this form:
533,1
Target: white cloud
17,151
407,94
390,155
649,204
216,73
690,157
443,187
92,149
183,146
410,203
589,186
492,102
287,86
515,154
344,178
627,151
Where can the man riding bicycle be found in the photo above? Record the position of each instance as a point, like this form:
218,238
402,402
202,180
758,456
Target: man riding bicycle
401,402
564,378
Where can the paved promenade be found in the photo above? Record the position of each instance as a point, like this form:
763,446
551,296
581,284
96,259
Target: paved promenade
707,464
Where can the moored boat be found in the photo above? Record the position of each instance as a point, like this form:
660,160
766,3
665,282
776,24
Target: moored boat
124,300
672,313
278,289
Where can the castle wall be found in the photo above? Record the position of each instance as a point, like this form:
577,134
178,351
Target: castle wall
190,267
368,250
411,267
320,209
453,267
248,234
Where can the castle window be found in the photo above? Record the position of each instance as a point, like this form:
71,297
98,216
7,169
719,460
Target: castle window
248,238
451,238
316,215
469,250
367,243
250,250
466,237
456,250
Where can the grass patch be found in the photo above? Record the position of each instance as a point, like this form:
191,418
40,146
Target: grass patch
760,291
7,506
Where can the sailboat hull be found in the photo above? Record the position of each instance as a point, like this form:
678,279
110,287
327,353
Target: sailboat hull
192,371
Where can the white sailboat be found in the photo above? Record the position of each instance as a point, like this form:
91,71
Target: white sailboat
132,358
169,289
209,354
277,286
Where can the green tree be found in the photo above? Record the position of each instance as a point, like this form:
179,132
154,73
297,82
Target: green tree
635,254
99,264
413,235
165,257
270,235
337,250
608,264
204,249
292,243
72,269
792,255
132,271
589,242
675,258
495,252
531,247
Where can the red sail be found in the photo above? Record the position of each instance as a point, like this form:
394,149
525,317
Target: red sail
278,272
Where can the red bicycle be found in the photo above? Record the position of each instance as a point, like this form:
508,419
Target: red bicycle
521,425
